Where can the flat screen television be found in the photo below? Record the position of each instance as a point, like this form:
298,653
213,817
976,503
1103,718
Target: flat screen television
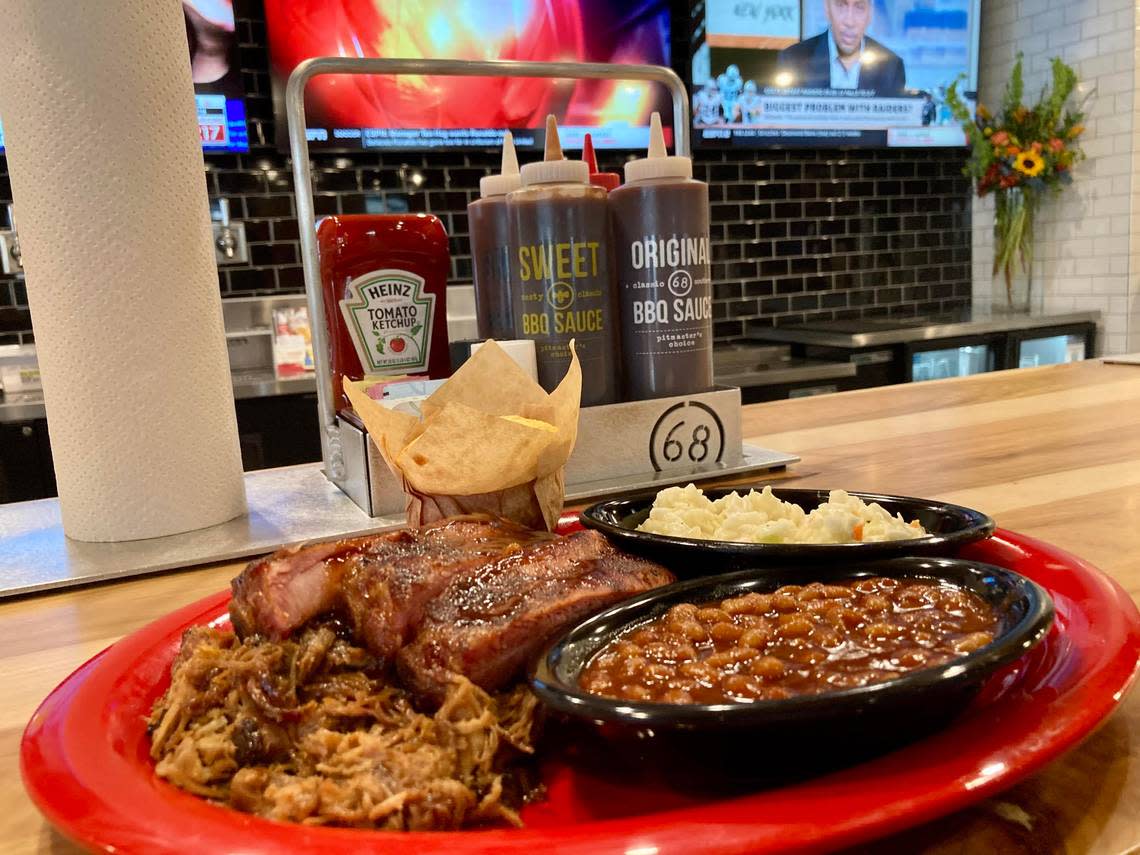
831,72
362,113
216,70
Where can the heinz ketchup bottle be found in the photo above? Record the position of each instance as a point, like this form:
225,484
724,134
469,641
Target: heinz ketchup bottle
384,278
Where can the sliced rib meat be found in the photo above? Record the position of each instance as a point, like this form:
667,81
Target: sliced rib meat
385,598
379,582
279,593
486,624
470,596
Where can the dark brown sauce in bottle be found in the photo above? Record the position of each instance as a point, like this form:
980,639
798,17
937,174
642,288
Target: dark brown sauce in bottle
491,247
662,249
561,275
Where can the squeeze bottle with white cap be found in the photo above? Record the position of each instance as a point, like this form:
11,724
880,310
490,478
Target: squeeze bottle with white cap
561,278
661,243
490,246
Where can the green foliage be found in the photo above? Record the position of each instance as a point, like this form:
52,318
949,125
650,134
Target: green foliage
1052,103
1019,154
1015,88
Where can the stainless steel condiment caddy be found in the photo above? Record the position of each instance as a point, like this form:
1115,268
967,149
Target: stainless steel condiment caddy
620,446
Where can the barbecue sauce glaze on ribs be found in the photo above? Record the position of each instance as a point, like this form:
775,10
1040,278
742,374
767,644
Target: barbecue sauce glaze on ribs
472,596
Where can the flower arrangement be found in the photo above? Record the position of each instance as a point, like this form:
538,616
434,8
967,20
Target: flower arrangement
1018,155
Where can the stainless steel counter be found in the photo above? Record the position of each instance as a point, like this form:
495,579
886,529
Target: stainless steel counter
876,332
791,370
249,325
264,384
25,406
746,366
742,365
289,505
21,406
286,506
753,365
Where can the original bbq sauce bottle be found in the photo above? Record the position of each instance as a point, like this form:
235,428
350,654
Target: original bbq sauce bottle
561,278
490,246
661,243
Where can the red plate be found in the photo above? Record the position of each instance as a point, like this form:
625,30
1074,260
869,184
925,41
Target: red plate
84,754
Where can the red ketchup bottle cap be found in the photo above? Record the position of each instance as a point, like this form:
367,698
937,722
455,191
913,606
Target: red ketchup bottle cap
607,180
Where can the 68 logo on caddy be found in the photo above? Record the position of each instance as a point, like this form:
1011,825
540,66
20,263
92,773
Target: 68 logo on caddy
687,434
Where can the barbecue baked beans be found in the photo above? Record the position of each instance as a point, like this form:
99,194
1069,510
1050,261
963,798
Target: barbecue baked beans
797,640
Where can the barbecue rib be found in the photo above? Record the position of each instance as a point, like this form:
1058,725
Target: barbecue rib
471,596
487,624
384,595
279,593
380,581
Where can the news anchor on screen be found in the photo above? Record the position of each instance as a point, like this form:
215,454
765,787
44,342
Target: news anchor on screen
843,56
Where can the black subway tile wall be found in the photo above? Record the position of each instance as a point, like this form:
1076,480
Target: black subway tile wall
798,235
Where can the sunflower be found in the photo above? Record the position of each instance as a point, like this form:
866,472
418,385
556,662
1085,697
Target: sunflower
1029,163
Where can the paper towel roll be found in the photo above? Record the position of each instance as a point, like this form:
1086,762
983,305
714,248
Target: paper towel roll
107,177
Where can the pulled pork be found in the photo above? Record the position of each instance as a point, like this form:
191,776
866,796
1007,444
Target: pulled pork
309,730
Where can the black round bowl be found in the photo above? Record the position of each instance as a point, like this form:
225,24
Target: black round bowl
714,745
949,528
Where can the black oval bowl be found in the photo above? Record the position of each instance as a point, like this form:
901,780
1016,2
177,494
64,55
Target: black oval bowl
950,527
715,745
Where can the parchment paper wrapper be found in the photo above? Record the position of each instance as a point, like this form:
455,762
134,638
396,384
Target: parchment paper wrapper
465,457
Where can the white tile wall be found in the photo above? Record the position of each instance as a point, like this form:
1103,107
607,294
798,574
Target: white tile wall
1087,244
1128,305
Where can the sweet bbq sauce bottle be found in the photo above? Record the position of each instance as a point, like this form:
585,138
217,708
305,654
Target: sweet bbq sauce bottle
384,278
661,243
490,247
561,279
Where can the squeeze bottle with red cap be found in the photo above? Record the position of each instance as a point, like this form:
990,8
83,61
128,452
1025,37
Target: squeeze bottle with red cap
490,246
384,278
561,278
661,243
606,180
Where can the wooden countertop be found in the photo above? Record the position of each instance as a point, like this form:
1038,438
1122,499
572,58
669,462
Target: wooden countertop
1051,452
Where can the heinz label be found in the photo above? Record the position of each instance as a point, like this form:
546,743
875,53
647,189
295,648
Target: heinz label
389,318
